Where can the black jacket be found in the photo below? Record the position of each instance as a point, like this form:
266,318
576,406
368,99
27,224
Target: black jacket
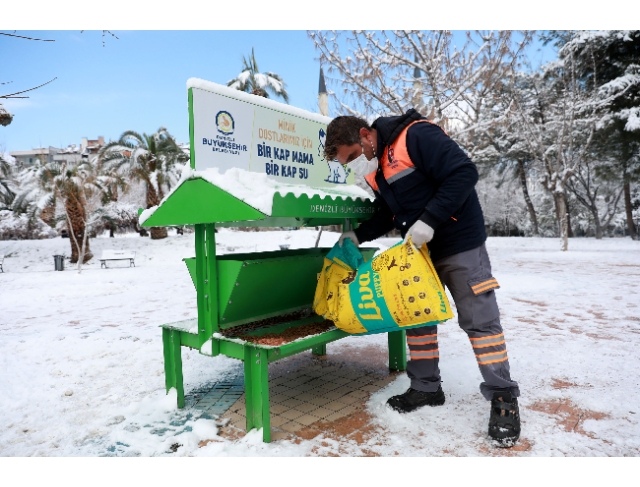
440,192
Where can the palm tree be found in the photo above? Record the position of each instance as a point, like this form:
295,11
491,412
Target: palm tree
112,181
147,158
251,80
70,182
7,193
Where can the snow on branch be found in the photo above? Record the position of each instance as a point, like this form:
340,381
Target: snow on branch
390,72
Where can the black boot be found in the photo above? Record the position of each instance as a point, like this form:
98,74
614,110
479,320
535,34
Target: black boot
504,422
413,399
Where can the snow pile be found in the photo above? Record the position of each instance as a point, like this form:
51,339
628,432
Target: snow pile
257,189
144,425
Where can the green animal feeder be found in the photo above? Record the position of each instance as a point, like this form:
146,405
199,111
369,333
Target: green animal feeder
235,290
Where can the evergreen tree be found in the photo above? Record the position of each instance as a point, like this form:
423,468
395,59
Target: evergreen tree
615,54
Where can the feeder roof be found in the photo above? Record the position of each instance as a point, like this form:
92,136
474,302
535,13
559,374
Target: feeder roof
238,195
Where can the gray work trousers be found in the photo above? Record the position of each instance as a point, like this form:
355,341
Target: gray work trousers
468,278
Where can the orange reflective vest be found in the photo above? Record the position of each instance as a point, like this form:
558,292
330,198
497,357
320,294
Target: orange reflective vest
395,160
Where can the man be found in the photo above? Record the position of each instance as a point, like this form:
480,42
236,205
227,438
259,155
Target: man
424,187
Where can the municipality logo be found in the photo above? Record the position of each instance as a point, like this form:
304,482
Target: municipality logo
225,123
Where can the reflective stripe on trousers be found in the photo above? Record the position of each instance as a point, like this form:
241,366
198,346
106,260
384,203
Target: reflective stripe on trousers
478,316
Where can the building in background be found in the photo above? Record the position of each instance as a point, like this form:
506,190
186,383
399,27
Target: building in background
72,153
91,147
29,157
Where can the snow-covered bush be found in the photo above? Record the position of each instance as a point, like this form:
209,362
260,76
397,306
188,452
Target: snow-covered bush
15,226
118,216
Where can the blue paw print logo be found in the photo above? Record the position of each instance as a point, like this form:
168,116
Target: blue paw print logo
337,172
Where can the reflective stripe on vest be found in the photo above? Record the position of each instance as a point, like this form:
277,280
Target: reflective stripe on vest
395,161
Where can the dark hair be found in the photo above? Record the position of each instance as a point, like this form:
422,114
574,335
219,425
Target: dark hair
343,131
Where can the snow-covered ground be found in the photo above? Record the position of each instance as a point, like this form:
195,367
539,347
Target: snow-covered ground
82,371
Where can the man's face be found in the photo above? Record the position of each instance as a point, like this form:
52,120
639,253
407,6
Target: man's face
347,153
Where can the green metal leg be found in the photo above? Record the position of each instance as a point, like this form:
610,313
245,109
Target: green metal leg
319,350
256,388
397,350
173,363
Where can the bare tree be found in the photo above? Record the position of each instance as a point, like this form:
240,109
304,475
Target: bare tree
559,111
557,120
389,72
588,190
13,34
500,147
6,117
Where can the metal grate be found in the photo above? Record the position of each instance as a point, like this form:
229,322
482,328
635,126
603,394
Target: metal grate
220,397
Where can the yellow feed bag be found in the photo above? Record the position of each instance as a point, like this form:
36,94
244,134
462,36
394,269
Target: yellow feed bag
397,289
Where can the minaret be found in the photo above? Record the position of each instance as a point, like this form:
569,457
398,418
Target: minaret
417,87
323,97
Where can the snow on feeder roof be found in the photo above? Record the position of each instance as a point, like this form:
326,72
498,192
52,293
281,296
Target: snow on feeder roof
237,195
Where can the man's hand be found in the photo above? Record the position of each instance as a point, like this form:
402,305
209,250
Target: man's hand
351,235
420,233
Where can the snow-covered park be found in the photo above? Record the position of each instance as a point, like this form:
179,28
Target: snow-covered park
82,369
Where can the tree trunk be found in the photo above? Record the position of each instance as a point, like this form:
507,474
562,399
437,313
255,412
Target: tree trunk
76,212
158,232
561,209
598,230
633,231
258,92
593,209
527,199
558,218
598,225
588,200
568,210
152,200
47,215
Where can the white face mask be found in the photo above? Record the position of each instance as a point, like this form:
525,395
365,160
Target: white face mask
361,166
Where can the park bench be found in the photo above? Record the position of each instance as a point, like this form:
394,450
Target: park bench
246,295
108,255
1,261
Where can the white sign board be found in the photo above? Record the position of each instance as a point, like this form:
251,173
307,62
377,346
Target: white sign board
233,129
